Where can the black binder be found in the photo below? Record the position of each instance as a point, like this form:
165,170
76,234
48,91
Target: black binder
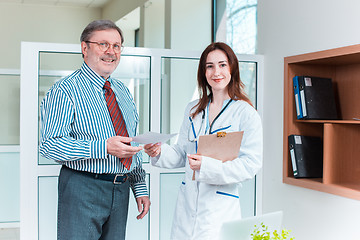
306,156
317,98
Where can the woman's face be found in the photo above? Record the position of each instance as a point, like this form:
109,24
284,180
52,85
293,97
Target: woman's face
217,70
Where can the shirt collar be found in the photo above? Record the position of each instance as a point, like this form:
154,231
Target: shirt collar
93,77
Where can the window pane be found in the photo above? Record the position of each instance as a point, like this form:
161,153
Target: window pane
178,88
169,187
68,62
247,198
48,200
248,77
10,187
137,229
10,109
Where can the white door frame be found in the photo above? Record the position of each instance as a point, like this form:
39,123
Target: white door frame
30,171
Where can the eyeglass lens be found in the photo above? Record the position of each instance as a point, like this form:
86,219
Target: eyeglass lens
104,46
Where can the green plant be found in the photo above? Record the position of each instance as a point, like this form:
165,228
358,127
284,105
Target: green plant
262,233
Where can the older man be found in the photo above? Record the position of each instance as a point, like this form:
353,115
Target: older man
87,121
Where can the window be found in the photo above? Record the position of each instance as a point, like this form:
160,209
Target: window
234,22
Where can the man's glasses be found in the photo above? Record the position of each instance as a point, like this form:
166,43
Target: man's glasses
104,46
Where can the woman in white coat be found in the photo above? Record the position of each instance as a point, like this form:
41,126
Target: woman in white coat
212,198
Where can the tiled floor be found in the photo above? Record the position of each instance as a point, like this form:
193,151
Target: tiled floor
9,234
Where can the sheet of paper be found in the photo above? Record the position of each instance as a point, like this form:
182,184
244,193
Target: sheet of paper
152,137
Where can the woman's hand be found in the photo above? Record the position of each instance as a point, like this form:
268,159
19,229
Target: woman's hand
194,161
152,149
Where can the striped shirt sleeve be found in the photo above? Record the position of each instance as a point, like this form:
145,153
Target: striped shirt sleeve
56,141
137,182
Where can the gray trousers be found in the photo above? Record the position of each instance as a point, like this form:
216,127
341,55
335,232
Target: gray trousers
91,209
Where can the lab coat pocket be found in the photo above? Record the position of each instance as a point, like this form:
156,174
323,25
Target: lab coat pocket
227,194
228,204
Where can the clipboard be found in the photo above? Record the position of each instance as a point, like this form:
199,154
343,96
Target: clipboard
222,146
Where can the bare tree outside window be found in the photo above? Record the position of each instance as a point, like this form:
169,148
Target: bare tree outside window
235,24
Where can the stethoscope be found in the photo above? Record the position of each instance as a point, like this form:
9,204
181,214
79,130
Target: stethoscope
193,128
196,135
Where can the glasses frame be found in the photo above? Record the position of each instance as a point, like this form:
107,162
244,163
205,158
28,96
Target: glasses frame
108,46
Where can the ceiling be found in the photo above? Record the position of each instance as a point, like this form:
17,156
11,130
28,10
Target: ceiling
68,3
131,21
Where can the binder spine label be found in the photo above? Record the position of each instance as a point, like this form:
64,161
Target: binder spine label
297,105
307,81
303,105
292,154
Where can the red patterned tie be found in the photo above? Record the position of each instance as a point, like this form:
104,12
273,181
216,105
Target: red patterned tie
117,118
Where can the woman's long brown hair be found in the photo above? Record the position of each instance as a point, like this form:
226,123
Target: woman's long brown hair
235,86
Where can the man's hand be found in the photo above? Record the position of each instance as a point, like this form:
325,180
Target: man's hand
152,149
119,146
143,204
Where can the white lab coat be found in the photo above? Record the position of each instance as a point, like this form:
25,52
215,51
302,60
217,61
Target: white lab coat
213,198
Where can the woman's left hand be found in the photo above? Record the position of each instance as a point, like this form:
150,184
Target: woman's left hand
152,149
194,161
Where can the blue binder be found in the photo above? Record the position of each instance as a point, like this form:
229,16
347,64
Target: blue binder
298,104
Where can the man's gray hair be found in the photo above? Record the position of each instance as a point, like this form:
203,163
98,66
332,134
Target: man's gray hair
99,25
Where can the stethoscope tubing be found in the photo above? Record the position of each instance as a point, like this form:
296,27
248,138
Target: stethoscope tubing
193,128
202,122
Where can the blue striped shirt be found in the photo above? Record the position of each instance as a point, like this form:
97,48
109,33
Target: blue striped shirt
75,124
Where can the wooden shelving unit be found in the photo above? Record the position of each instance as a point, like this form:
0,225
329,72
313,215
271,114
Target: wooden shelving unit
341,138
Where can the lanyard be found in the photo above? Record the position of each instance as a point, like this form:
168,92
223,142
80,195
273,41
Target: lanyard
202,123
222,110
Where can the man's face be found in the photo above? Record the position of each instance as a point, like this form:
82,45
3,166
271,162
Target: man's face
102,62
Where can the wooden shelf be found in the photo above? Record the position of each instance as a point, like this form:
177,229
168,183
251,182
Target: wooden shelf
348,190
329,121
341,160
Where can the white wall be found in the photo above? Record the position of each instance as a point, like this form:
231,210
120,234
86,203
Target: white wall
190,24
154,24
116,9
289,28
21,22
